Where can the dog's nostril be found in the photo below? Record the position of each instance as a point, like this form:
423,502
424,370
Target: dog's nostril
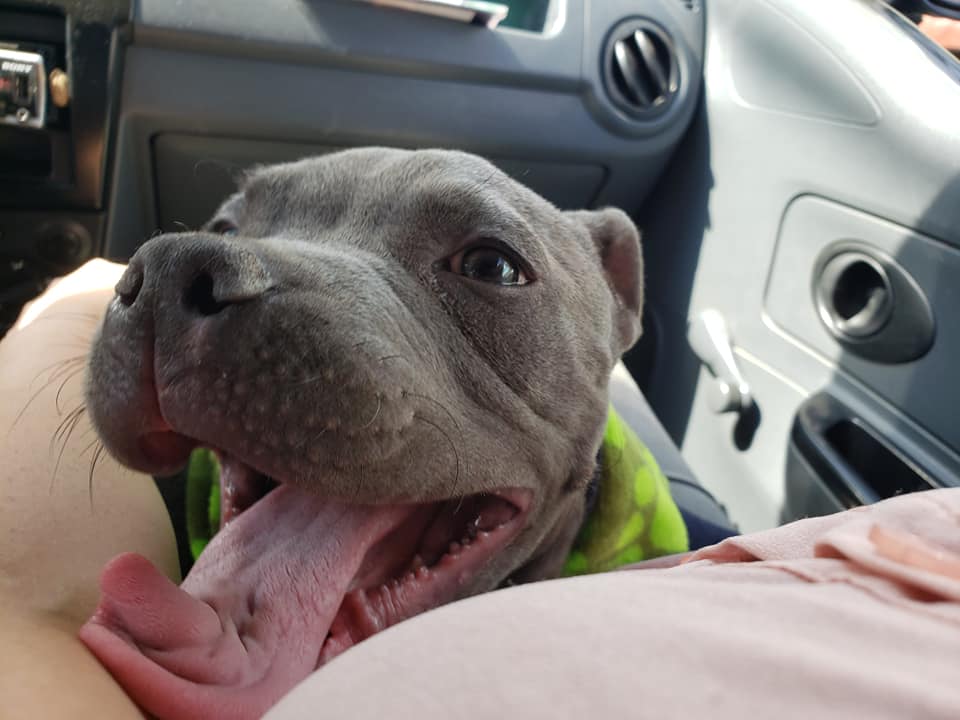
200,296
130,284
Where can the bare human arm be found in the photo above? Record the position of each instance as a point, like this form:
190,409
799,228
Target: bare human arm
58,524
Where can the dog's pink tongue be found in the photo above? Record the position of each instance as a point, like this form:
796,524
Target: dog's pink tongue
249,621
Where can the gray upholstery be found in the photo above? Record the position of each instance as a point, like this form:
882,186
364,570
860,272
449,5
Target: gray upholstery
689,495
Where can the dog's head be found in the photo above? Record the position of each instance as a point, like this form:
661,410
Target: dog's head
402,361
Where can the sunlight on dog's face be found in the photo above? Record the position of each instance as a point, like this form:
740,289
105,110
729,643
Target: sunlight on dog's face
379,328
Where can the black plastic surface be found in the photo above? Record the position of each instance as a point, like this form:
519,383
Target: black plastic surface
331,73
641,72
837,460
84,35
194,174
37,246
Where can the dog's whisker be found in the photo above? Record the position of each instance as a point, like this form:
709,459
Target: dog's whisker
306,381
36,394
66,380
55,368
64,432
87,449
440,405
62,428
358,493
452,419
375,415
453,447
97,455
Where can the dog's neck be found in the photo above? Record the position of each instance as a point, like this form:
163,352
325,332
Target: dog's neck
593,487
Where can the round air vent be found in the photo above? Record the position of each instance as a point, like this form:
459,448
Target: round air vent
640,68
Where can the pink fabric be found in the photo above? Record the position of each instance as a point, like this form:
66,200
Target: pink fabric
856,615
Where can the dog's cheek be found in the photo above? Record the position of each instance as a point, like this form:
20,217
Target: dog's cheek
527,339
551,549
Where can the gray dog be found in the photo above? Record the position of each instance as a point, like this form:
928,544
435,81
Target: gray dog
402,360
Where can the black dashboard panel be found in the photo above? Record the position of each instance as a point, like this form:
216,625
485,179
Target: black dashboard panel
194,173
169,99
53,178
212,87
82,38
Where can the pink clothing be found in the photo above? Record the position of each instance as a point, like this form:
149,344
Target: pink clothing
855,615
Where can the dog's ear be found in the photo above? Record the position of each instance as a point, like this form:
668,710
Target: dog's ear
618,243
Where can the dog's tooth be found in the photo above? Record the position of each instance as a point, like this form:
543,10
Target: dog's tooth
417,562
422,572
464,541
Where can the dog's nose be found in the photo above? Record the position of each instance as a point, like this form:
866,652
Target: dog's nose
205,274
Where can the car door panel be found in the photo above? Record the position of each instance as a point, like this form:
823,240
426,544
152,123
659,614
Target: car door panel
886,149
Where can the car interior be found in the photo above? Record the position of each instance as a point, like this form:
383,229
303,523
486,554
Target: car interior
792,166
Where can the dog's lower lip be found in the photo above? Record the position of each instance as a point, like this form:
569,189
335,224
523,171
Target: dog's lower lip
365,611
165,448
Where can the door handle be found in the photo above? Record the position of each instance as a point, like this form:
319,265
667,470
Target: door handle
855,462
710,340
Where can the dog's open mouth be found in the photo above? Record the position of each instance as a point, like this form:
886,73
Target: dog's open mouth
291,581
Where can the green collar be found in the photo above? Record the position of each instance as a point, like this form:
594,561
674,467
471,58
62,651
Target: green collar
633,517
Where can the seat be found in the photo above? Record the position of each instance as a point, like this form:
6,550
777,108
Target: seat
706,519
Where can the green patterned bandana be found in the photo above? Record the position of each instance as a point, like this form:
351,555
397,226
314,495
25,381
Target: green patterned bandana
633,518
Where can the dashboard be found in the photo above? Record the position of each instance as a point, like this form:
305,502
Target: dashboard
166,102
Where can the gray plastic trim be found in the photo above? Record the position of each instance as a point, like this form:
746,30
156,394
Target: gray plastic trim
711,231
896,325
349,35
330,73
921,387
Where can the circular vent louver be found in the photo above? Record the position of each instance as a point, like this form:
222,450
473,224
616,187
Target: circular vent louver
640,68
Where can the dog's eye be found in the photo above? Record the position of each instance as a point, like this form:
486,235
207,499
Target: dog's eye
224,227
488,264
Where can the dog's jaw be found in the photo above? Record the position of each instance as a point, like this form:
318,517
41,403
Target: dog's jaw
334,346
